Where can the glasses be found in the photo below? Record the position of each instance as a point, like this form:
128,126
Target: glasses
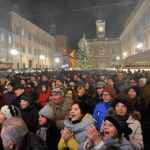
106,95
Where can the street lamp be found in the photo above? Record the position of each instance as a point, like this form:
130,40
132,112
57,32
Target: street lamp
14,52
57,61
118,57
124,53
140,45
42,57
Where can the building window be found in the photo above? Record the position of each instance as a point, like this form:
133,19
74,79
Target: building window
101,51
29,36
23,32
113,50
16,45
2,37
9,39
24,65
36,65
23,48
17,65
35,38
30,49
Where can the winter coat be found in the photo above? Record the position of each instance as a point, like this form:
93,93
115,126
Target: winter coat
50,131
83,98
121,85
33,142
43,97
61,110
94,101
146,128
80,132
100,113
124,145
135,125
7,98
30,117
16,101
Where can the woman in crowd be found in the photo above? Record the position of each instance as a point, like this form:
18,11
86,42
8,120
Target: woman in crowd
123,106
29,112
75,131
111,82
82,96
115,132
89,89
47,129
134,94
44,94
101,108
72,94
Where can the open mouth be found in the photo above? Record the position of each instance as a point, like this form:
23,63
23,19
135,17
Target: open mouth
106,134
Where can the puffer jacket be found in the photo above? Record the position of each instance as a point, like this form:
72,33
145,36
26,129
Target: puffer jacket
80,132
100,113
135,125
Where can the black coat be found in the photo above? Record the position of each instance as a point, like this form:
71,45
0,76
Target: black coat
30,117
52,136
33,142
145,123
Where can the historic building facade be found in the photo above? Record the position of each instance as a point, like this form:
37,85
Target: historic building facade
135,38
107,50
35,47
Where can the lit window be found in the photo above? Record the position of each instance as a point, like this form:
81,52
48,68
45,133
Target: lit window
22,32
9,39
2,37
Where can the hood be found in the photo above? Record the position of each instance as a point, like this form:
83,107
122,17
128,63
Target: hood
86,121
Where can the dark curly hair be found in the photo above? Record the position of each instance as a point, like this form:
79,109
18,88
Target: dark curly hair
124,99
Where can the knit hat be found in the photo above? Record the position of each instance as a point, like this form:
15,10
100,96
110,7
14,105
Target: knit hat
13,84
58,90
136,89
143,79
110,90
46,111
120,123
19,86
27,98
100,84
10,111
60,79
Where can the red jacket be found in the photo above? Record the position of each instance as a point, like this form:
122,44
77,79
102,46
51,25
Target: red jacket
43,97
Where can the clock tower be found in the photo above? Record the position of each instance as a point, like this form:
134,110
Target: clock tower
100,27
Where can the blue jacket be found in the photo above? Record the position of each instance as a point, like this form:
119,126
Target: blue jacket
100,113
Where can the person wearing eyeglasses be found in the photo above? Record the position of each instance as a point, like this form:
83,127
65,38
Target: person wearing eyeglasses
100,111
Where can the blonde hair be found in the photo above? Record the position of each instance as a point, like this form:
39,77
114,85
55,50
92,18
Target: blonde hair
82,90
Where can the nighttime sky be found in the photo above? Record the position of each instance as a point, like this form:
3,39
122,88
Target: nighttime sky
74,18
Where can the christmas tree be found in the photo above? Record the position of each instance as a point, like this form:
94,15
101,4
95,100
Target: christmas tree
85,57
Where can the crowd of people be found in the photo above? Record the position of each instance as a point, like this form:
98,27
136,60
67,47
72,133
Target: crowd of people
70,110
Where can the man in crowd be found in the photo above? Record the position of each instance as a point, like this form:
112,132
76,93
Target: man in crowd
98,97
15,136
19,91
37,87
61,106
121,85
